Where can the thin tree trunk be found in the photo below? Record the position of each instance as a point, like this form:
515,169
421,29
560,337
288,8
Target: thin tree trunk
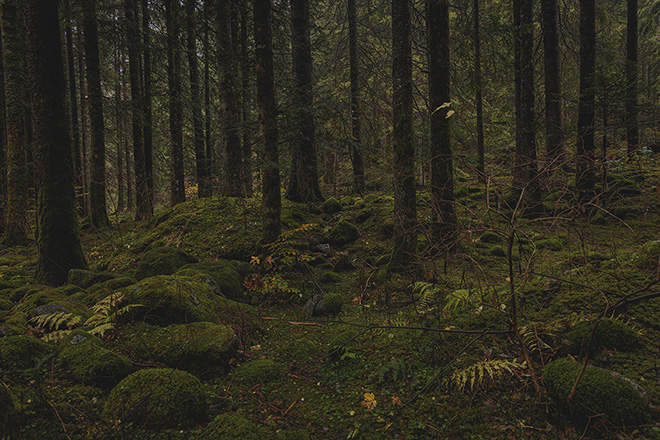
148,120
481,162
632,130
208,137
3,148
586,168
405,203
245,102
553,120
443,218
84,163
14,80
58,240
356,147
272,203
119,133
178,189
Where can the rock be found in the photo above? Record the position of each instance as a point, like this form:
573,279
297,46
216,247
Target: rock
344,232
600,391
86,361
232,427
491,237
329,278
329,305
647,256
164,260
612,334
331,206
158,399
87,278
9,418
310,305
323,248
226,278
344,263
257,372
22,352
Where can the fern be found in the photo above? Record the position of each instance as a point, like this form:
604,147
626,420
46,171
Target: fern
460,299
428,294
534,333
106,312
476,374
56,321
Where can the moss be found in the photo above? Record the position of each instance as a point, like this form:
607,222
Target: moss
331,304
294,214
228,281
348,201
303,350
343,233
598,392
340,344
157,399
647,256
612,334
232,427
257,372
491,237
293,435
86,361
329,278
372,198
22,352
9,419
86,278
497,251
163,260
332,206
363,215
624,212
552,244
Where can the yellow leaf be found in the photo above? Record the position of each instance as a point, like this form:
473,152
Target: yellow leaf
254,261
369,401
396,401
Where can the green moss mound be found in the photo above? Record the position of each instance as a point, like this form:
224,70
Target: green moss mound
164,260
344,232
22,352
340,344
329,278
257,372
331,304
86,278
226,278
332,206
303,350
599,392
232,427
85,360
612,334
491,237
552,244
647,256
158,399
9,421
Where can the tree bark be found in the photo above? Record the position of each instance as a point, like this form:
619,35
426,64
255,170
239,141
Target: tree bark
586,168
208,135
177,184
443,218
119,132
405,204
272,203
481,167
303,181
98,211
632,130
14,79
58,240
553,119
148,119
356,147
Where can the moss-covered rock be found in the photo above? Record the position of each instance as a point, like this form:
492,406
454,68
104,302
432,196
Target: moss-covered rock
329,305
304,350
647,256
164,260
22,352
332,206
340,344
552,244
257,372
491,237
329,278
157,399
86,278
497,251
228,281
9,421
599,391
232,427
612,334
85,360
344,232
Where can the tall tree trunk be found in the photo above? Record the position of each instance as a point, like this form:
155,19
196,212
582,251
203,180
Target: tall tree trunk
203,188
98,211
178,188
148,120
233,175
272,203
84,151
586,169
137,106
119,132
356,148
443,219
405,203
525,177
553,120
208,136
245,102
632,130
14,79
58,240
481,162
304,181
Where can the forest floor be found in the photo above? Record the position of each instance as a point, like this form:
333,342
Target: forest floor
429,354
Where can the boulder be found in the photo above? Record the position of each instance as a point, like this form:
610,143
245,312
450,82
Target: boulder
344,232
87,278
257,372
164,260
22,352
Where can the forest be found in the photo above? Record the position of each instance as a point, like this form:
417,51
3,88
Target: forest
329,219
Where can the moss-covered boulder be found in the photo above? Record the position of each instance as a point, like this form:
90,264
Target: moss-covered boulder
491,237
9,421
257,372
329,305
552,244
158,399
86,278
232,427
22,352
85,360
164,260
647,256
612,334
227,281
330,278
599,391
344,232
331,206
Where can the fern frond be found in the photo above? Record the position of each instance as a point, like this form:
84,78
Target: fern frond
55,321
55,336
100,330
476,373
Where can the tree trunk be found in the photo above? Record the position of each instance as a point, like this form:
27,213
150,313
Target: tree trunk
272,204
632,130
98,211
356,148
553,120
208,135
58,240
14,80
481,162
586,169
119,133
443,218
84,152
245,103
178,188
148,120
233,176
405,204
304,181
203,188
